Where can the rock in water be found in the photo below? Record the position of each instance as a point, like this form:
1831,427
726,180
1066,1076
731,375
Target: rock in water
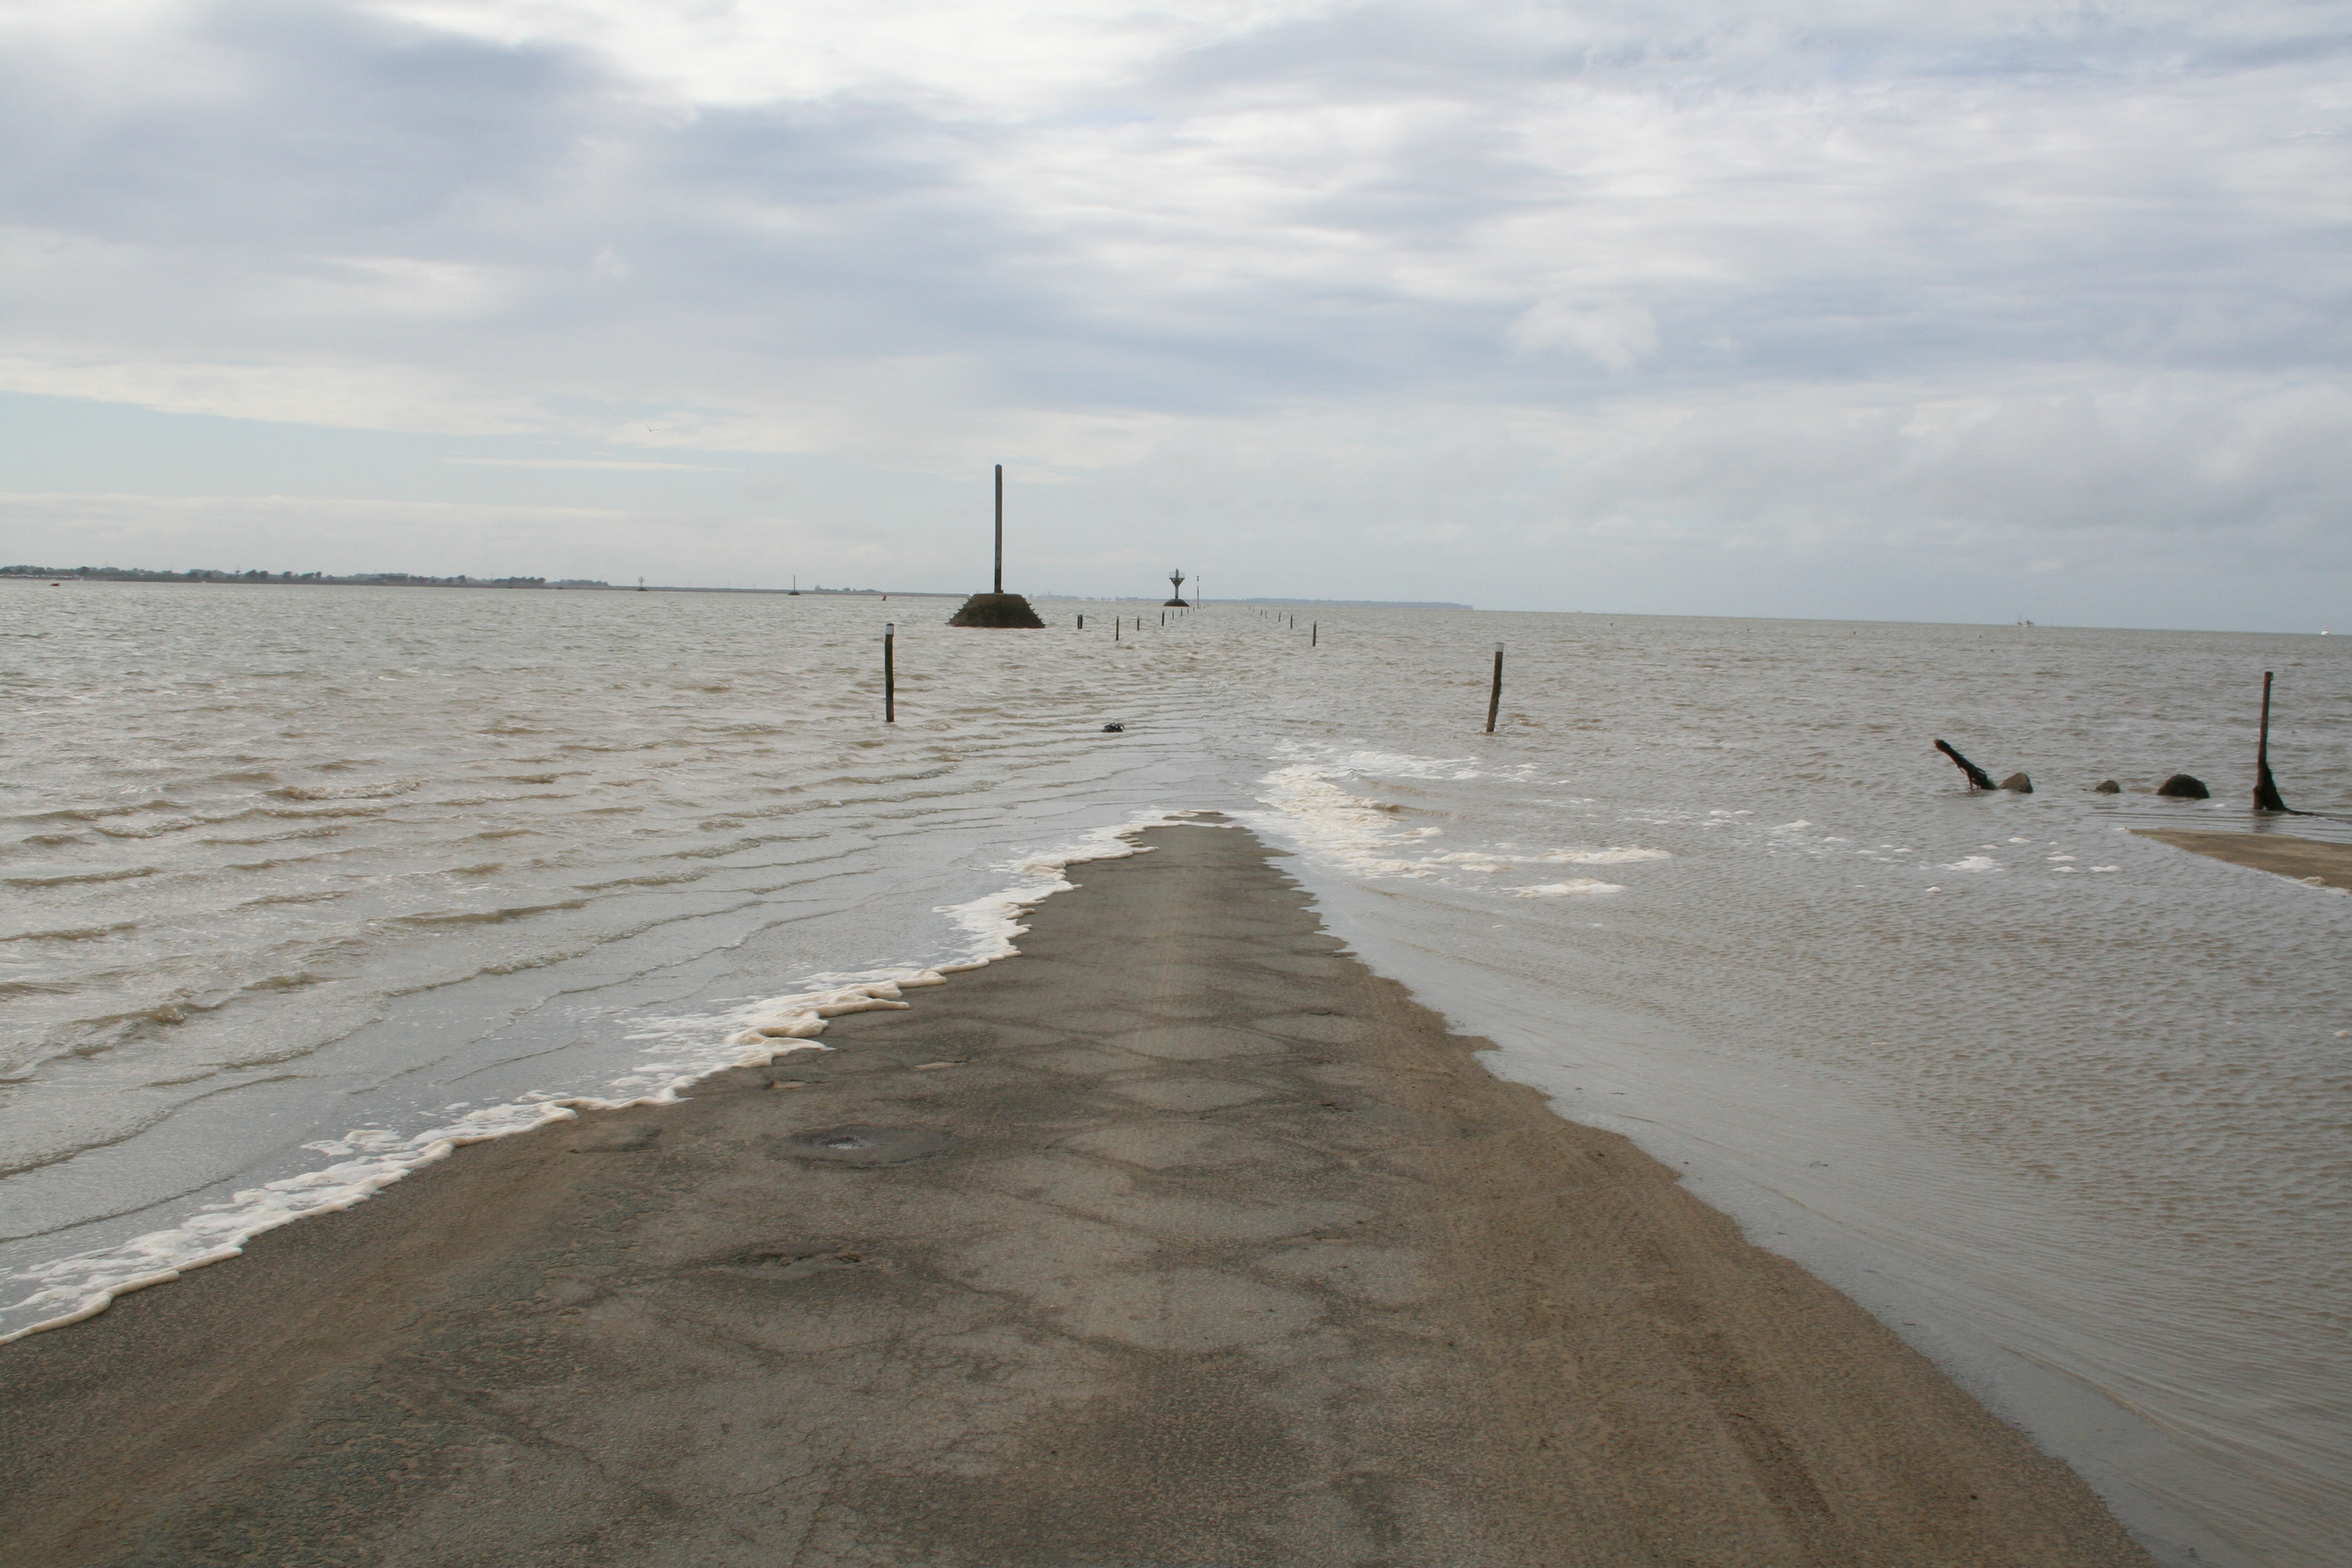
2018,783
999,610
2107,787
2181,786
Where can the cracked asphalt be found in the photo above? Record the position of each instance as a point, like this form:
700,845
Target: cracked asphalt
1181,1240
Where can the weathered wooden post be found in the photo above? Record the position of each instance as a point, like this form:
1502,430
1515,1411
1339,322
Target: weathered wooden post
2266,794
1113,628
1313,632
1495,697
1082,622
1000,530
1978,777
889,672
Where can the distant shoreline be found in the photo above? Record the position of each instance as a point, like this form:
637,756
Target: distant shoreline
257,579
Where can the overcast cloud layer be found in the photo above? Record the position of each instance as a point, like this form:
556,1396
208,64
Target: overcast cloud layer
1876,310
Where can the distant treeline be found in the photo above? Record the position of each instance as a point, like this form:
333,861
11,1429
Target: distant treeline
365,579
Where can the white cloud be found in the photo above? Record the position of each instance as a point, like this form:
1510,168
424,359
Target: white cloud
1617,334
1692,279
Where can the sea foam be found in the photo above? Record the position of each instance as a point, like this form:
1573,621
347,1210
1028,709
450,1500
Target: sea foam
687,1049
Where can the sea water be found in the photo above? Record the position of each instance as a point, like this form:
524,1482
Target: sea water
304,886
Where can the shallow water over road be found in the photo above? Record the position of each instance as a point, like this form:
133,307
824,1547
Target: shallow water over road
285,865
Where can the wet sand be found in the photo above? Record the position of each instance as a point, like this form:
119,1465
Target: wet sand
2305,859
1210,1248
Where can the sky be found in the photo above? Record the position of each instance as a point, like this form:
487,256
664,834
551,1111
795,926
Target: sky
1858,308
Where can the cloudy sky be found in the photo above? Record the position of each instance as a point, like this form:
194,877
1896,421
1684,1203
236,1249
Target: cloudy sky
1853,308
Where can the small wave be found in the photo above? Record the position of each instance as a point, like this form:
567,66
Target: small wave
490,917
96,814
1614,857
1565,890
1972,863
73,934
139,1018
299,980
72,878
149,829
1397,765
288,837
378,791
713,851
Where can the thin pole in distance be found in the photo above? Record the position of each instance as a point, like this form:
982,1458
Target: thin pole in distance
1495,697
889,672
1000,528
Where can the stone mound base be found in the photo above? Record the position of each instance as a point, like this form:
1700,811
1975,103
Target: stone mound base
995,610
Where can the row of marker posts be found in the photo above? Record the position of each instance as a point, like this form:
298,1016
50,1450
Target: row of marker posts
2266,792
1314,629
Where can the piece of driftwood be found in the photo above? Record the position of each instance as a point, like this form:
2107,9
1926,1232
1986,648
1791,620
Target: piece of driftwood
1978,777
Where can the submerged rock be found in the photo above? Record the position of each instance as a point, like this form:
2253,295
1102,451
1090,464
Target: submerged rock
2017,783
2181,786
2107,787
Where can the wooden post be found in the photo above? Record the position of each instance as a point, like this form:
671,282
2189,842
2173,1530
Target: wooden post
1113,628
1313,632
1082,623
1000,528
889,672
2266,794
1494,697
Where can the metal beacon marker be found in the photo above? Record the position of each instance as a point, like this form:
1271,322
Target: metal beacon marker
996,609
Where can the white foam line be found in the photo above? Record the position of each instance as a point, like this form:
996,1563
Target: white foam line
86,1284
1362,836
